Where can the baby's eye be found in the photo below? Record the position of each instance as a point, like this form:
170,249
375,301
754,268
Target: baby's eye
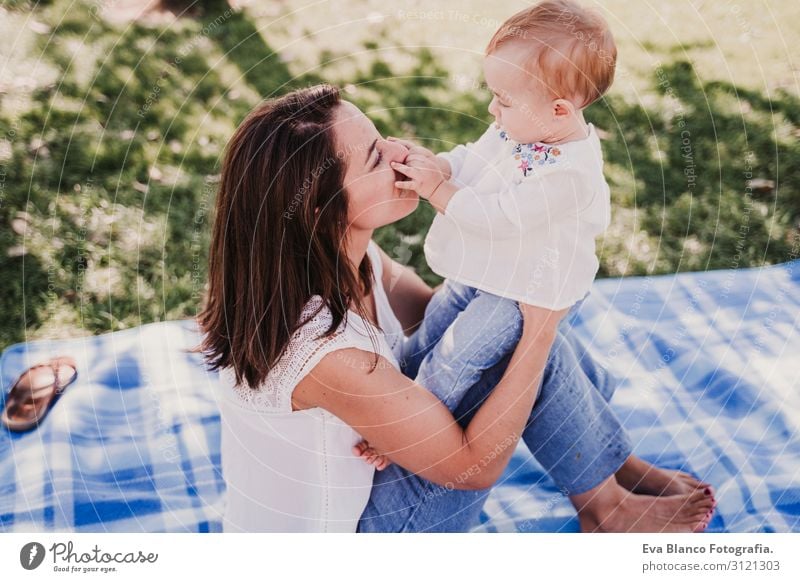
378,159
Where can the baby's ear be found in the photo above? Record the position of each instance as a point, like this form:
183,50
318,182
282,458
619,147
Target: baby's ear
563,108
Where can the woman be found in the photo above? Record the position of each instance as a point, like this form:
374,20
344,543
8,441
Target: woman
305,319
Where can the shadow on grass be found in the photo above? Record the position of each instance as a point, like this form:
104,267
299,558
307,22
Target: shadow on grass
116,167
241,43
717,165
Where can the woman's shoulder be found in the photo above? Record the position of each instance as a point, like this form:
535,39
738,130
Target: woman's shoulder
315,319
313,339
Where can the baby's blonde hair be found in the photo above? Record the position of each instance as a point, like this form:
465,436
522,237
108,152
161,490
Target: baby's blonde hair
572,49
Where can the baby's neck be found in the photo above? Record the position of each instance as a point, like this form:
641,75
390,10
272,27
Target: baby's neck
576,130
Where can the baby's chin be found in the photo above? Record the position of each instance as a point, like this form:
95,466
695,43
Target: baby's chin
525,137
509,133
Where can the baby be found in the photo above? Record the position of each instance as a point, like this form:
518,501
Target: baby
518,210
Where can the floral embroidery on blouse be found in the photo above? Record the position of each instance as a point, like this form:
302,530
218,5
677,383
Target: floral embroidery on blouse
532,154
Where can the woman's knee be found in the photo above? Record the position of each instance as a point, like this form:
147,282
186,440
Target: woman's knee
500,318
457,294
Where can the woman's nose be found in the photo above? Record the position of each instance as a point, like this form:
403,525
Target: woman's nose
395,151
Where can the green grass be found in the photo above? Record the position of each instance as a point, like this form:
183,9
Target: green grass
114,132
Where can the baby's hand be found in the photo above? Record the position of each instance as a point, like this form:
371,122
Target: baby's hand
371,456
418,150
423,173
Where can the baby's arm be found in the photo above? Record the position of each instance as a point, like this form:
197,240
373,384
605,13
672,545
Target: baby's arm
425,172
533,202
465,161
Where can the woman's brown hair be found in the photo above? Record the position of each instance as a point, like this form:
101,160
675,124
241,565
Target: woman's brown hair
278,236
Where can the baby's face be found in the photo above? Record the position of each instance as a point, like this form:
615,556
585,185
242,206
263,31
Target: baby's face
521,105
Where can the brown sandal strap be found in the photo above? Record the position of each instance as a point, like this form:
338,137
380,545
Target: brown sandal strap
33,404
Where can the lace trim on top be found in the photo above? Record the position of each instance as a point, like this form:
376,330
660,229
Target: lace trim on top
305,349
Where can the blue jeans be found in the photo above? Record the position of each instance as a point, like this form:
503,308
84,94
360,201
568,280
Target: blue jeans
460,353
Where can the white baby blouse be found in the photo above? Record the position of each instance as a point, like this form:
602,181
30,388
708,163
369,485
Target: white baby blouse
524,221
291,471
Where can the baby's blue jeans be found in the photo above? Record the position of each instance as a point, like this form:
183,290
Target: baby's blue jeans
460,353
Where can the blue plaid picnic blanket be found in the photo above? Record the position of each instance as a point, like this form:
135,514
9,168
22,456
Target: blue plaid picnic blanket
708,383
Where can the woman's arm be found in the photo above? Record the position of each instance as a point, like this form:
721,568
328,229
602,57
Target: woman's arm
408,294
414,429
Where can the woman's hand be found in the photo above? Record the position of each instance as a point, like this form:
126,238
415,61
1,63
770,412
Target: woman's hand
371,456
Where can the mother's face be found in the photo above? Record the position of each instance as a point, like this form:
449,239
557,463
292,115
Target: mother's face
372,198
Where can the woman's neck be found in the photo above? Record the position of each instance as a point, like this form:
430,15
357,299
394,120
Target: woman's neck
356,244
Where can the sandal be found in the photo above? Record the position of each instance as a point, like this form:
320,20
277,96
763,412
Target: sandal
36,391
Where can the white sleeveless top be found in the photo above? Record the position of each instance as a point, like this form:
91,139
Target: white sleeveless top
294,471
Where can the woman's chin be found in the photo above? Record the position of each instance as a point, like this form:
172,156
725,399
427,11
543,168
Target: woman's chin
402,194
406,194
409,200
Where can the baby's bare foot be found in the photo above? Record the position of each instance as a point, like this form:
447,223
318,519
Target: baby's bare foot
639,476
684,513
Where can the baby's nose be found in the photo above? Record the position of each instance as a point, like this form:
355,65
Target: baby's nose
493,109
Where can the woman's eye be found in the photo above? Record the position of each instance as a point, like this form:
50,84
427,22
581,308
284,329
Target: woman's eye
378,159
